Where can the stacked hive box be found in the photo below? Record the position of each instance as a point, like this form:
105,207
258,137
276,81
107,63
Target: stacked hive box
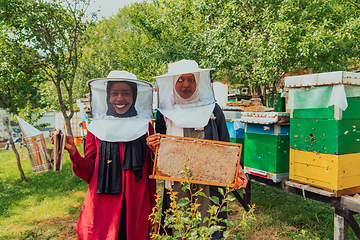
236,130
266,151
325,130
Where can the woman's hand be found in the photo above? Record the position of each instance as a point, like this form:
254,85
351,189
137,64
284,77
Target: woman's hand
153,141
69,143
241,180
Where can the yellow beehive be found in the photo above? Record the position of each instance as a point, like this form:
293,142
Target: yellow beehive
336,173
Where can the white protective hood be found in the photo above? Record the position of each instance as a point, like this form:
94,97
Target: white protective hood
119,129
193,115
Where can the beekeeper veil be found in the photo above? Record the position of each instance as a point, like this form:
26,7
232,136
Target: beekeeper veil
121,107
185,94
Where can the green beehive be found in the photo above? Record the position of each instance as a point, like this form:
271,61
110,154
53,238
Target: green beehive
351,112
269,153
325,116
266,152
325,130
325,136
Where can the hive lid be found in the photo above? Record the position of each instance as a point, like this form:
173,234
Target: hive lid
231,108
321,79
281,118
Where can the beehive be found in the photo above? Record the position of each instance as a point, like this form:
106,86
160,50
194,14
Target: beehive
351,112
269,153
236,129
337,173
325,134
267,144
236,133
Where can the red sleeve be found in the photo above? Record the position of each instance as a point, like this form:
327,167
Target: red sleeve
84,166
152,182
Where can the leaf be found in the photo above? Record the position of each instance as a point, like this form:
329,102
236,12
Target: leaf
229,223
221,191
214,229
230,198
186,185
225,209
183,202
177,234
167,220
200,193
226,233
215,199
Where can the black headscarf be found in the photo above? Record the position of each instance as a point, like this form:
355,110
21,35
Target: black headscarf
110,169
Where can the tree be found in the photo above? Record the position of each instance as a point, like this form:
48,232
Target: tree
31,115
257,43
17,83
114,44
53,30
174,27
250,42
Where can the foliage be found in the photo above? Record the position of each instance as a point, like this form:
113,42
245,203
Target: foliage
32,115
255,43
113,44
184,216
52,30
17,82
175,27
248,42
18,76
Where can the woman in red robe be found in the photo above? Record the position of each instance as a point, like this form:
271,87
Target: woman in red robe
120,194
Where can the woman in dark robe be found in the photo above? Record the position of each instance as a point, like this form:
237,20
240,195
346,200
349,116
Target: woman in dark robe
191,92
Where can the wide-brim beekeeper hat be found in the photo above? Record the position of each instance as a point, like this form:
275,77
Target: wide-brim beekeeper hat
115,129
183,67
186,115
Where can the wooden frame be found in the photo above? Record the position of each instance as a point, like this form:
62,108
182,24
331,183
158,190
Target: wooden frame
160,176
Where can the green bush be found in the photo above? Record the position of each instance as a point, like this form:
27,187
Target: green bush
184,217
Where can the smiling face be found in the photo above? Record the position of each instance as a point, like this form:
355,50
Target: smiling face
121,97
186,85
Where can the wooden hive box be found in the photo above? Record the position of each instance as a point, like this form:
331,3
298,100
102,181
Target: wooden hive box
313,93
267,144
335,173
211,162
269,153
236,135
325,136
332,112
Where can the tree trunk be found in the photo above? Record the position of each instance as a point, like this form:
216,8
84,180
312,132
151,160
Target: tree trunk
261,94
276,98
68,125
6,123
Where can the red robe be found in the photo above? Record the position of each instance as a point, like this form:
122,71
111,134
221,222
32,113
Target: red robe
100,215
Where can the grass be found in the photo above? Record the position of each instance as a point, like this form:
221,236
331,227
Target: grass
47,206
282,215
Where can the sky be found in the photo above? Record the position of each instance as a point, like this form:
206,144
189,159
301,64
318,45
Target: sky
108,7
